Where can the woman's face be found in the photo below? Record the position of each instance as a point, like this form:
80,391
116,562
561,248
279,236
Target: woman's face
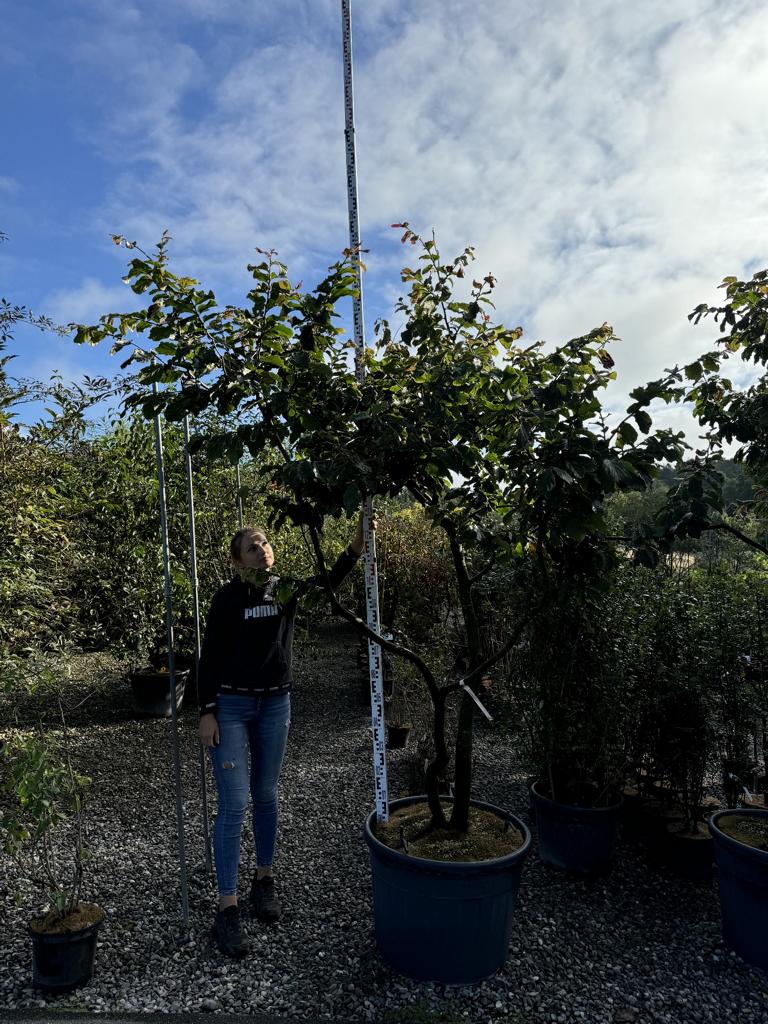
255,551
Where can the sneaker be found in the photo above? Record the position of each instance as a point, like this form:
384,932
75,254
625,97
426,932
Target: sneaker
228,934
265,905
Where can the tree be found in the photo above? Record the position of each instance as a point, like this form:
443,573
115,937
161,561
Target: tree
504,447
728,414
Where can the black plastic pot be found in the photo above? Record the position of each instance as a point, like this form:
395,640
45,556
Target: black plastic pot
61,963
152,692
742,873
444,921
579,840
397,736
688,856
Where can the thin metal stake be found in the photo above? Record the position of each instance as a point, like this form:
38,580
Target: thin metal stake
239,499
371,582
171,667
196,613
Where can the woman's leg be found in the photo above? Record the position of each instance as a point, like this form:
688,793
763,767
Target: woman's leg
268,734
230,769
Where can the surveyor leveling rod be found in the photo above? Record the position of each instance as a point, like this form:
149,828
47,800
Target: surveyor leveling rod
371,583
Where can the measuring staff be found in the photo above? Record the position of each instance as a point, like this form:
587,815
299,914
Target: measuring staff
375,665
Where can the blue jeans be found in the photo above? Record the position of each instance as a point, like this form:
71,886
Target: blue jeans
260,725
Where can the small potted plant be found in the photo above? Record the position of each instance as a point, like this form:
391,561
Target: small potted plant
398,717
151,685
44,800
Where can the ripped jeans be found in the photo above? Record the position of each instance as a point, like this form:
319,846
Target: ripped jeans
257,726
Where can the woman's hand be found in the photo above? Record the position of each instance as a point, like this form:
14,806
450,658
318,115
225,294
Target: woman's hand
208,730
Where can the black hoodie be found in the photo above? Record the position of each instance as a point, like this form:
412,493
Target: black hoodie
248,641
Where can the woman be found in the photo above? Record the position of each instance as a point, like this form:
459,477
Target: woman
244,684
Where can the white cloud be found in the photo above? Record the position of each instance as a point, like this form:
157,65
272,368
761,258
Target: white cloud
90,300
607,160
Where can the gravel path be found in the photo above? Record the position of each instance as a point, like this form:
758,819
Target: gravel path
636,947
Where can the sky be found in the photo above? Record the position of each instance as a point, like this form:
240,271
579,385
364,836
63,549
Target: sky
606,158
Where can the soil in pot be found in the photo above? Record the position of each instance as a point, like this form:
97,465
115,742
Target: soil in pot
488,837
83,916
748,830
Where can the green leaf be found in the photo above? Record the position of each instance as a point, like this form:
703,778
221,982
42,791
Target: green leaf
627,433
694,371
643,421
352,499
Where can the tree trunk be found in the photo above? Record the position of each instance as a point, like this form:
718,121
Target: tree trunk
437,767
463,762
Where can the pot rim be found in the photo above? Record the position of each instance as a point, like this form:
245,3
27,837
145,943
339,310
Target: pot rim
450,866
610,808
734,844
147,672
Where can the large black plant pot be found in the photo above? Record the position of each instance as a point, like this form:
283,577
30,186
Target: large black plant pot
578,840
397,736
444,921
687,855
61,963
742,874
152,692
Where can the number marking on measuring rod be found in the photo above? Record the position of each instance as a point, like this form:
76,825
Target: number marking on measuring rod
375,664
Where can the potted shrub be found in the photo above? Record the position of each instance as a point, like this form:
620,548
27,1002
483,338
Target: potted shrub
695,507
501,446
45,797
685,845
677,717
574,708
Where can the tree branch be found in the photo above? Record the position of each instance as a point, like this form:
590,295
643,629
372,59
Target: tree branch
479,575
737,533
498,655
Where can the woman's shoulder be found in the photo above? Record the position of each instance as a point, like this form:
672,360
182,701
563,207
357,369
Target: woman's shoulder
229,591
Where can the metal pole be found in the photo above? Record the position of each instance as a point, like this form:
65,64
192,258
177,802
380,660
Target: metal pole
239,499
171,667
371,582
196,612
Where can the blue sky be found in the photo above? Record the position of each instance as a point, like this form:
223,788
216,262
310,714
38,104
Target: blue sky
606,158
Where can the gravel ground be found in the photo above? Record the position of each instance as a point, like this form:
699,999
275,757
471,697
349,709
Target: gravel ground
636,947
